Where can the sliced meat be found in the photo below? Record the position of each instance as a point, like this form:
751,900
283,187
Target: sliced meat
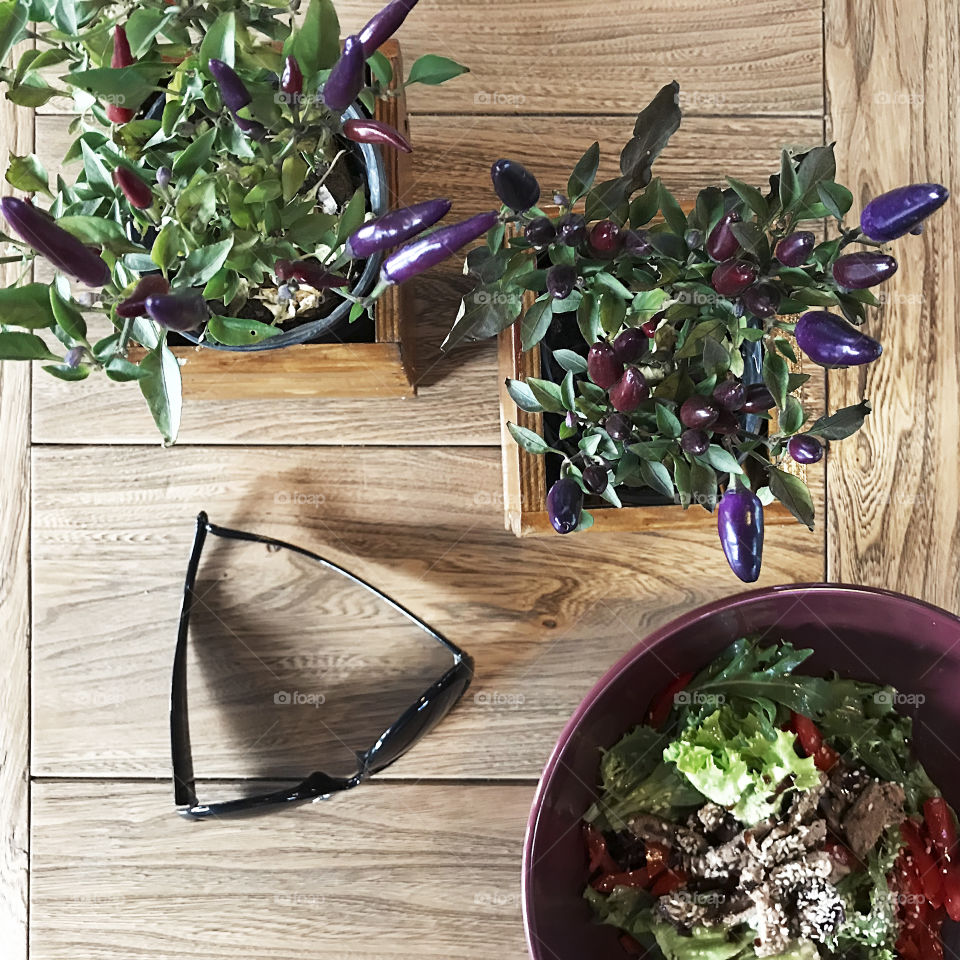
648,827
879,806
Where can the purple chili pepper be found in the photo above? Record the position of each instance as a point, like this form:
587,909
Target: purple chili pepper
383,25
805,448
395,227
152,285
740,526
181,311
857,271
346,77
565,505
62,249
831,341
900,211
428,251
234,94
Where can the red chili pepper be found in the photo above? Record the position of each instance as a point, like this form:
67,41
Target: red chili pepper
122,57
942,827
597,852
811,741
662,703
632,948
311,272
950,880
669,881
627,878
373,131
928,870
151,285
291,80
133,188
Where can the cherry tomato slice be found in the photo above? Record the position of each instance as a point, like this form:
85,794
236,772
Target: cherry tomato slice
942,826
600,859
662,703
669,881
927,867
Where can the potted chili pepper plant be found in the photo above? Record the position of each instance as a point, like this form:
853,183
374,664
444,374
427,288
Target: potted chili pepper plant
233,190
666,339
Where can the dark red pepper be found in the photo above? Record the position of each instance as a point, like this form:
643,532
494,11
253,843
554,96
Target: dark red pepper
373,131
664,701
291,80
395,227
857,271
68,254
722,244
312,273
122,57
153,284
346,78
133,188
428,251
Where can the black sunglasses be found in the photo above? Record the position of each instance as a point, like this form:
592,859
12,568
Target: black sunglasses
413,724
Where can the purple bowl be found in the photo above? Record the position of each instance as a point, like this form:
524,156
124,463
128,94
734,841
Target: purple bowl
866,634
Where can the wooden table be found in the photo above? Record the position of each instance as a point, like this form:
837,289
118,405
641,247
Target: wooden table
97,519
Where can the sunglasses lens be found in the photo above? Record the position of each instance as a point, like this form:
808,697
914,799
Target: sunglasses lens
417,722
293,666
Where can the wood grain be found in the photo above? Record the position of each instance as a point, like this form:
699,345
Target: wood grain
565,56
16,136
457,392
894,510
386,872
112,529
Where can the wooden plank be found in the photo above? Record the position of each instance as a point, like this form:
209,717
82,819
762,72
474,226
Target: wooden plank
386,872
754,57
16,136
457,393
112,530
894,495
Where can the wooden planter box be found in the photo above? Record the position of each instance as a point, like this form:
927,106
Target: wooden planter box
382,368
525,479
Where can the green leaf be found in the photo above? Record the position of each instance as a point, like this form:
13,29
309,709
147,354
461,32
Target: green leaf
264,191
33,92
68,316
817,166
751,196
613,310
588,318
380,67
351,217
123,371
201,264
570,360
23,346
142,27
124,86
716,357
567,391
703,485
528,440
64,372
667,423
166,247
584,173
604,198
792,492
776,374
721,459
792,416
656,123
523,396
195,156
27,306
99,231
219,42
842,424
657,476
483,313
535,323
675,217
27,174
836,198
162,389
433,70
316,45
13,22
235,332
645,207
789,185
547,394
292,175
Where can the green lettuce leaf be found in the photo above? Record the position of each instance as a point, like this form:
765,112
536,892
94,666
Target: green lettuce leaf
706,943
739,761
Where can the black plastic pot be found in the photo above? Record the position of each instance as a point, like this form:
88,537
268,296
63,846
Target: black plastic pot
370,158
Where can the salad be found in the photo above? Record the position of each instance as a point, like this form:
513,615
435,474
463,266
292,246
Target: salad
761,813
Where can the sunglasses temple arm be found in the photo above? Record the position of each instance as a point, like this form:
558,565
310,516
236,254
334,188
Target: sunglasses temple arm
183,777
